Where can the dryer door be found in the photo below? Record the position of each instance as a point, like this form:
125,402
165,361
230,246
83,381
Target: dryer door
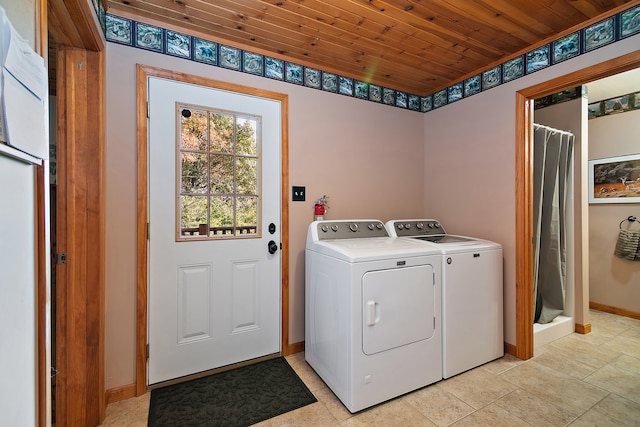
398,307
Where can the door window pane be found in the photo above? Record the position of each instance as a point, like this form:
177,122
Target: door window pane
222,174
219,191
247,136
194,130
222,132
247,212
195,178
246,171
193,213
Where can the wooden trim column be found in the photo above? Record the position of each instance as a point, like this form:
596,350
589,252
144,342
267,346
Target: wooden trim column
80,234
524,228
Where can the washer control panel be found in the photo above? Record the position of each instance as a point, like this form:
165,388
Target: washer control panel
350,229
418,227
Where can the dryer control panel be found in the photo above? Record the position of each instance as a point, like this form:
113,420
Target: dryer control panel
350,229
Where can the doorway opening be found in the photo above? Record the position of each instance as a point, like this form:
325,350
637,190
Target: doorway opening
524,201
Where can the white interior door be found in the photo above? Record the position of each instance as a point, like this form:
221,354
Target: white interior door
214,299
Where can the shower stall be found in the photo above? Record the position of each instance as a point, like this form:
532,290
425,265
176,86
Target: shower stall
554,278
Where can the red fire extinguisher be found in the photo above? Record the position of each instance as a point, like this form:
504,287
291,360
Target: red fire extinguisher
320,208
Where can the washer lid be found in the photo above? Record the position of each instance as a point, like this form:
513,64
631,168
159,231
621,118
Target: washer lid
371,249
451,243
447,238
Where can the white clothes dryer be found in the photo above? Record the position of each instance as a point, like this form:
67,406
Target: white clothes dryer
472,294
372,311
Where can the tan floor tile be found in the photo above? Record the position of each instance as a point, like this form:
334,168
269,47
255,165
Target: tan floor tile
632,333
602,319
568,362
616,379
315,415
333,404
491,416
624,345
568,393
128,413
629,363
309,376
614,410
295,359
437,404
534,410
393,413
503,364
610,328
584,349
478,387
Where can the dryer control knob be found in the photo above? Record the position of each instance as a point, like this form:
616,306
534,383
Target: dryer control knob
419,226
379,226
334,227
324,228
353,227
430,225
371,226
400,226
407,226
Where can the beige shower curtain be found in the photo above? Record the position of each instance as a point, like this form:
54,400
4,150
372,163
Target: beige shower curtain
552,164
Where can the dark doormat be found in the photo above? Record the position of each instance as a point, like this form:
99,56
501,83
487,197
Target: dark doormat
239,397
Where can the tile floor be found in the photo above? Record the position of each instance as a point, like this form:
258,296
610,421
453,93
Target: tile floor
578,380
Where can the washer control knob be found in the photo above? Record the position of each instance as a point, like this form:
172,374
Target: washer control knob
437,225
400,226
353,227
334,227
419,226
371,226
324,228
430,225
379,226
407,226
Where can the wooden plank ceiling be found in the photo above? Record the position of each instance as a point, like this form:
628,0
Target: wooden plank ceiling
416,46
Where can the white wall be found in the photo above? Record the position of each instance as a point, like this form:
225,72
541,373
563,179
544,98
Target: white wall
470,163
367,157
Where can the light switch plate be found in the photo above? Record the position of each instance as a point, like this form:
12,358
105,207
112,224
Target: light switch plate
298,194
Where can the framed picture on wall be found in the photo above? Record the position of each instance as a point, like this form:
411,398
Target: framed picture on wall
615,179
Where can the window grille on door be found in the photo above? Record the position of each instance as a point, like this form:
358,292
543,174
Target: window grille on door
218,180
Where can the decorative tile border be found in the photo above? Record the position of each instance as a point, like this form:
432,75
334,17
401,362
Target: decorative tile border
140,35
616,105
558,97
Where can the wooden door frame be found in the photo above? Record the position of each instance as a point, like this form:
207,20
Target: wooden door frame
80,397
524,189
143,72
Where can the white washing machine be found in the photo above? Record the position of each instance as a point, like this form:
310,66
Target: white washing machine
372,311
472,294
